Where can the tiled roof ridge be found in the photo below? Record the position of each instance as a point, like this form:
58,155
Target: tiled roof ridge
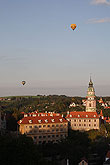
82,114
42,119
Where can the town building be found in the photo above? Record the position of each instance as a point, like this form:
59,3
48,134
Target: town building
44,127
85,120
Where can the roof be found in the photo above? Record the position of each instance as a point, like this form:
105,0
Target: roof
42,118
82,114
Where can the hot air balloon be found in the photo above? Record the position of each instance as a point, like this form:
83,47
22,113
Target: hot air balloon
23,82
73,26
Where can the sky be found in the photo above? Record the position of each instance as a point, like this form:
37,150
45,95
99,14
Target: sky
37,45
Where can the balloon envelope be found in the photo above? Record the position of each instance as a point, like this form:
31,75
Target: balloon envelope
73,26
23,82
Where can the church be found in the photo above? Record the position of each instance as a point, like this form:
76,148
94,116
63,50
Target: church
88,119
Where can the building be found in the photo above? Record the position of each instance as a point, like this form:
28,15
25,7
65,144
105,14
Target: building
44,127
85,120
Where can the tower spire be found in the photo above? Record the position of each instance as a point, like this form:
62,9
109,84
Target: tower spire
90,82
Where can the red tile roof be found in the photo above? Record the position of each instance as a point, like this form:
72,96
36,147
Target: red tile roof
82,114
42,118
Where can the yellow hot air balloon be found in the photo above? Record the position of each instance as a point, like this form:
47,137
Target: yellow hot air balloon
73,26
23,82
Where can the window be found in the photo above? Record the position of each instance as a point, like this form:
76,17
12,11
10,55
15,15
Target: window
94,120
74,124
30,126
61,129
94,125
35,137
44,125
74,120
79,124
48,130
40,137
79,120
57,129
48,136
89,120
57,135
57,125
53,135
53,126
44,136
39,126
89,104
89,125
84,120
84,125
35,126
61,125
48,125
53,130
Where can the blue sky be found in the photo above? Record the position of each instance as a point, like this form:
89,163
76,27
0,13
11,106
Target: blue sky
38,45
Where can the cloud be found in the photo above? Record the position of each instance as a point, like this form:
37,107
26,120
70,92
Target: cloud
95,20
101,2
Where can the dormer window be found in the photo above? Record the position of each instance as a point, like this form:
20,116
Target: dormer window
60,120
42,114
86,115
78,115
30,121
20,121
52,120
39,121
94,115
25,115
51,114
46,120
34,115
70,115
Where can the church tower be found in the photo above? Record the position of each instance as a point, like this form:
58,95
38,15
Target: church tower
91,99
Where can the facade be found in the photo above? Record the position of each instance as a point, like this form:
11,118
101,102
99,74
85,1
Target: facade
85,120
44,127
